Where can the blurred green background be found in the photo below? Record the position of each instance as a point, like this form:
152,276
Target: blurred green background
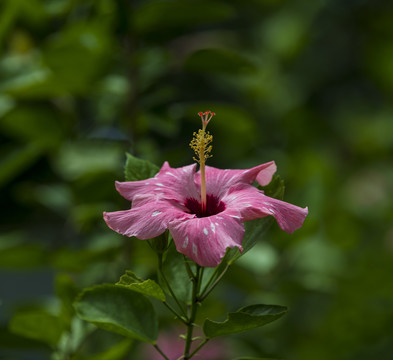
308,84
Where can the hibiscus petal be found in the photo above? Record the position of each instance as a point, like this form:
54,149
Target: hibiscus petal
146,220
205,240
175,184
219,181
289,217
265,175
253,204
128,189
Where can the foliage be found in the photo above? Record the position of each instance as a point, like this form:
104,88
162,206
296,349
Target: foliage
106,305
246,318
147,287
307,84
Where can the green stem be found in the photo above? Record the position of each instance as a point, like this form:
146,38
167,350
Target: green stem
174,312
212,278
203,343
194,308
161,352
188,268
206,291
200,280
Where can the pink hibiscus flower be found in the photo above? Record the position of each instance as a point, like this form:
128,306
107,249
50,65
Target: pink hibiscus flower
172,200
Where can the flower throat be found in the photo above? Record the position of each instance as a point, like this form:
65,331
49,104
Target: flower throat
201,144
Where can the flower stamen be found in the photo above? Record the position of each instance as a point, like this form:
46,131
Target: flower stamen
201,144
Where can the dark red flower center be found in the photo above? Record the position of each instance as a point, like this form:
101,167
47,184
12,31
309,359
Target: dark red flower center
213,206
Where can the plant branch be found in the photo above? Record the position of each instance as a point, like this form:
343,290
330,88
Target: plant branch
174,312
161,352
212,277
208,291
194,307
200,280
188,268
203,343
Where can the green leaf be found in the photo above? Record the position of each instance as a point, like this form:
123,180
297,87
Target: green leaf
176,274
76,56
16,159
146,287
9,340
70,260
275,188
23,256
116,352
77,159
116,309
138,169
37,325
66,291
33,124
244,319
254,231
7,103
72,340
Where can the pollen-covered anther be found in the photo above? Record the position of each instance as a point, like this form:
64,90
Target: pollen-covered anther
201,144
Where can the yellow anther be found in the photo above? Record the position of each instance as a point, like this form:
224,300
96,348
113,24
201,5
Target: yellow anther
201,145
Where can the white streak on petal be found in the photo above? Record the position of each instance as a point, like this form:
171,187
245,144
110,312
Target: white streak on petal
185,243
159,184
194,249
205,231
169,173
213,227
156,213
235,216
